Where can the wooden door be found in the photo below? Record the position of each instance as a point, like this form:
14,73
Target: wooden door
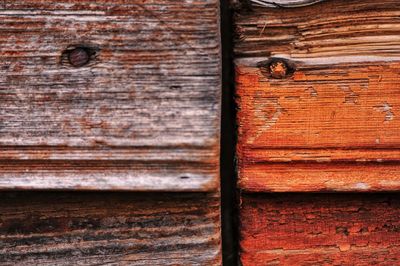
318,89
109,96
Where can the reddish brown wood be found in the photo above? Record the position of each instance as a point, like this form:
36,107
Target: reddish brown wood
149,94
58,228
320,229
327,120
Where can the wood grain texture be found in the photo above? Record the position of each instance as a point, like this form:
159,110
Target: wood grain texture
55,228
320,229
336,113
275,3
150,93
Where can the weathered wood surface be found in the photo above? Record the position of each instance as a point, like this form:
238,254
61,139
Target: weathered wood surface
149,94
327,119
56,228
320,229
276,3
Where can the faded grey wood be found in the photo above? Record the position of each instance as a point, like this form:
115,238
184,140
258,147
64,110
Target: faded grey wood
57,228
146,105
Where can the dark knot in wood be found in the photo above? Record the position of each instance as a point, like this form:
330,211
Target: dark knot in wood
277,68
79,57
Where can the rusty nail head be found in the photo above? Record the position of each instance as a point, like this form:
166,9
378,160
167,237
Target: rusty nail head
78,57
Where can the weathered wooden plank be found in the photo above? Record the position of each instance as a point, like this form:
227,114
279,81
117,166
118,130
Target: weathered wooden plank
276,3
320,229
56,228
108,175
149,93
318,86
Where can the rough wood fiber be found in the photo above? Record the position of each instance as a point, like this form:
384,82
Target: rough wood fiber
109,229
150,93
320,229
277,3
331,124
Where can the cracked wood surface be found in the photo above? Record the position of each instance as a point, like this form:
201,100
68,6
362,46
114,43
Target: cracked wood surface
58,228
320,229
149,95
332,124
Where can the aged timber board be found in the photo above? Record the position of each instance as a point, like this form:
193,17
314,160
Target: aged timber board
143,94
318,93
320,229
58,228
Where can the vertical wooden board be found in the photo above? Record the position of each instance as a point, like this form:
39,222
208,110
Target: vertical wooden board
318,89
320,229
57,228
149,94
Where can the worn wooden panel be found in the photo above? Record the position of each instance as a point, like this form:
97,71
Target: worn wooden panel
320,229
318,83
56,228
150,92
276,3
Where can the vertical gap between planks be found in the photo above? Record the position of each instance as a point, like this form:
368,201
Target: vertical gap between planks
228,142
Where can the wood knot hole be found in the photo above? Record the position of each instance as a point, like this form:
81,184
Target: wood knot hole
277,68
79,57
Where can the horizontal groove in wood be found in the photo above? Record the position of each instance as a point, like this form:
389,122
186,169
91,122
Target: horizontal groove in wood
58,228
332,155
153,81
202,154
320,229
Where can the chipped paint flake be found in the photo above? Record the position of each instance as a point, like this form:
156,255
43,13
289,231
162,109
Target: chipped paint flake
313,92
350,95
387,109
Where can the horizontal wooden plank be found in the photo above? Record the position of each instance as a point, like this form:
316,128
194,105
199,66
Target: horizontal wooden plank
318,86
320,229
56,228
108,175
329,106
313,177
149,92
330,30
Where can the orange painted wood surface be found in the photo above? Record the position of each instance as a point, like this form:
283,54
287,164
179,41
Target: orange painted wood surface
328,120
320,229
